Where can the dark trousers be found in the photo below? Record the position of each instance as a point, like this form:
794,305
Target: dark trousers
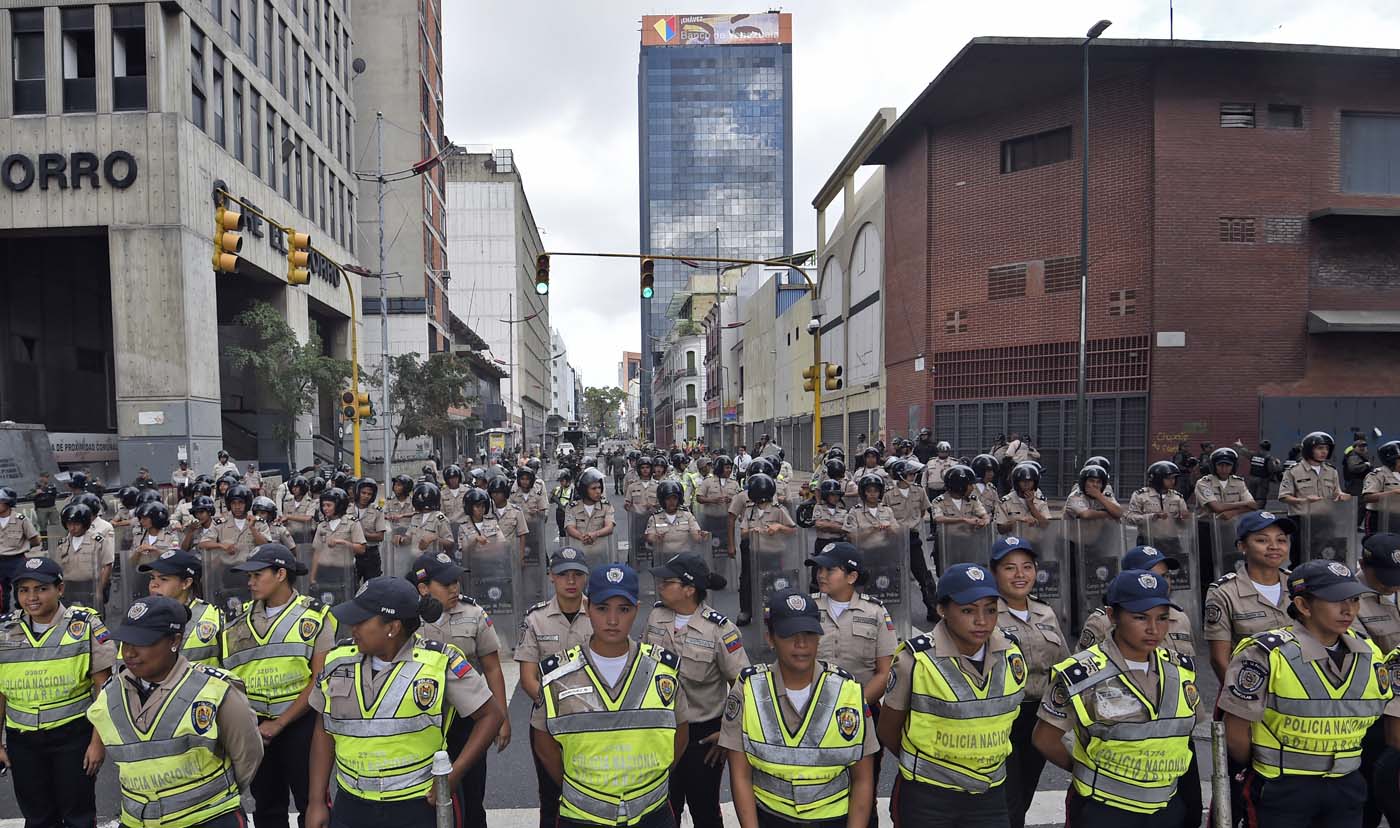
918,567
917,805
284,770
660,818
771,820
370,565
695,783
745,594
471,793
1081,812
232,819
617,482
10,566
50,785
559,521
549,793
1304,801
1023,766
1188,791
350,811
1385,785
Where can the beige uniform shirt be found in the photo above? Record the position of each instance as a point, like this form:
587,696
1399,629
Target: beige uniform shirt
532,502
546,631
1382,480
934,471
432,526
571,677
1079,503
398,511
252,480
466,693
712,654
1379,618
641,497
1180,639
371,518
164,540
988,496
1146,503
467,627
716,487
578,516
909,504
227,530
1111,701
758,518
945,505
1234,609
221,469
512,522
672,534
1020,451
863,522
339,556
731,733
82,558
901,681
1012,507
454,503
1305,480
824,514
1040,639
1244,692
16,534
102,651
739,503
1211,489
239,738
855,638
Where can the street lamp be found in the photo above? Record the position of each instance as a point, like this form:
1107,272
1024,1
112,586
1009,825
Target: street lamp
1081,392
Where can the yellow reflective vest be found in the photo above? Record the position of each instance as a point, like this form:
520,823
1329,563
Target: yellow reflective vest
804,775
275,667
174,775
406,722
46,679
1130,765
957,734
617,751
1310,727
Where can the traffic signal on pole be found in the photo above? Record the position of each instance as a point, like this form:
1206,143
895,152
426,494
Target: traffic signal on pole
809,378
648,278
542,274
298,258
347,405
355,405
364,409
227,240
833,377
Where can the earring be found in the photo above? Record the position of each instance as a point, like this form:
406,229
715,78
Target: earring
174,649
391,635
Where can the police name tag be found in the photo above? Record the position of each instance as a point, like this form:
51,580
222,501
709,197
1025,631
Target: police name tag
548,637
577,691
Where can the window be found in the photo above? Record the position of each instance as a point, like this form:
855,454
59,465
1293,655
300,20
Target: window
349,140
253,33
237,116
255,131
1237,115
1236,230
197,96
235,22
301,192
286,161
217,93
1371,153
317,41
305,14
1285,116
267,41
321,193
271,147
1035,150
27,41
1122,303
350,218
1062,274
335,49
282,57
1006,282
307,86
216,8
296,86
79,60
320,108
335,136
955,322
128,57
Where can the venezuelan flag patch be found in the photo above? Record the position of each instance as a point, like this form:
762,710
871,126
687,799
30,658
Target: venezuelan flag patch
100,632
458,666
732,641
889,622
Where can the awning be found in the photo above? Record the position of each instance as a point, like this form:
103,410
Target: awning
1363,212
1354,321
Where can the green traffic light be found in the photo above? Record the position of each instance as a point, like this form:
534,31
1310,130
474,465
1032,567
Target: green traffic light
648,292
542,288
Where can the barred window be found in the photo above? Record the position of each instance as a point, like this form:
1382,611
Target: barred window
1006,282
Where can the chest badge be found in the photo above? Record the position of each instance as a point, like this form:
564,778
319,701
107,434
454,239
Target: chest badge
308,629
847,720
205,630
425,692
666,689
1018,667
202,716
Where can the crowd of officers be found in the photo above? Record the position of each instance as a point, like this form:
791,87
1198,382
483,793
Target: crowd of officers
339,711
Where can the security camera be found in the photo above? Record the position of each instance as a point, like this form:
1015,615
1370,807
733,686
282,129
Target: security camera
814,325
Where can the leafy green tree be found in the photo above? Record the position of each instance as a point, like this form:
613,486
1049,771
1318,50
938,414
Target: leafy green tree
422,392
600,408
291,373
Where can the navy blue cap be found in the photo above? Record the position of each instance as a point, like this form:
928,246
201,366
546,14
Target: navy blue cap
1254,521
1137,590
1005,546
393,598
1382,557
175,562
1327,580
568,559
437,566
270,555
789,612
839,554
43,570
610,580
150,619
966,583
1146,557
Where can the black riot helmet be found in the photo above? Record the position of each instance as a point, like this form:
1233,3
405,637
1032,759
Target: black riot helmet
836,453
478,477
341,481
658,462
1389,453
870,481
202,503
476,497
148,496
668,489
93,502
943,447
587,479
1228,456
263,507
156,511
762,465
907,468
983,463
426,497
127,496
1024,471
526,474
298,486
367,483
239,492
760,488
533,464
1158,472
959,479
499,485
401,485
77,512
318,485
1100,461
836,469
77,480
1315,439
1094,472
830,488
723,464
202,489
450,472
336,496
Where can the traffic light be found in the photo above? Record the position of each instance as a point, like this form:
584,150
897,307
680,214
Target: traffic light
542,274
347,405
298,258
227,240
364,409
833,377
809,378
355,405
648,278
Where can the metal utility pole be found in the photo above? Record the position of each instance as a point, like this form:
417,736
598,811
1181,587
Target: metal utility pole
383,306
1081,413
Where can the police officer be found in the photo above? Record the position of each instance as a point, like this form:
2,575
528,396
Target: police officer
338,542
45,496
589,522
936,468
199,534
509,517
910,504
1179,637
714,495
1298,700
984,470
857,633
612,684
561,496
957,512
52,656
1034,627
673,530
949,708
801,746
527,496
1251,600
238,532
84,554
182,735
452,491
1158,502
276,646
760,515
1093,497
871,519
459,621
1221,493
548,629
428,529
224,466
1025,505
373,524
388,692
153,536
1313,479
711,657
1380,490
17,536
829,514
177,575
1129,706
398,507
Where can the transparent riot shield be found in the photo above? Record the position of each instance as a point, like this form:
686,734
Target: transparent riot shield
1387,519
82,568
303,533
1052,577
638,549
1219,535
963,543
1328,531
887,557
529,586
223,587
775,564
1177,541
490,572
602,550
720,546
1095,551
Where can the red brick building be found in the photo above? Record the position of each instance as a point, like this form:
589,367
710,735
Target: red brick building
1244,249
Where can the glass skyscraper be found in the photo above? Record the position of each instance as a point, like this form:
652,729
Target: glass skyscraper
714,101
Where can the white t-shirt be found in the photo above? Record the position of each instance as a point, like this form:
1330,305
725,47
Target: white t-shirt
1024,615
4,521
957,504
980,655
799,696
681,622
76,541
1140,666
834,608
609,668
588,510
273,611
1270,591
333,524
241,522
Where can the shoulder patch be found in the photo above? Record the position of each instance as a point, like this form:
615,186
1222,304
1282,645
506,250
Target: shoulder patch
872,599
216,672
920,644
666,657
752,670
549,665
716,618
312,603
1011,636
541,605
1273,639
435,646
1185,661
466,599
1225,579
345,642
832,667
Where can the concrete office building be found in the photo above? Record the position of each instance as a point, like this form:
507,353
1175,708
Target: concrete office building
117,121
493,243
563,408
714,102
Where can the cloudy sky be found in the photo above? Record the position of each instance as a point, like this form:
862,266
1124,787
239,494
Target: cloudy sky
556,80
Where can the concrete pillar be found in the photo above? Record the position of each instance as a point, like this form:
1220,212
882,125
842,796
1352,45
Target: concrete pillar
7,63
102,54
53,61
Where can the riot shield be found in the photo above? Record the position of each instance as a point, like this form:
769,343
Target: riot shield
490,572
776,564
1177,541
224,588
1327,531
675,543
1052,577
1387,519
887,557
303,533
332,576
1095,550
962,543
601,550
719,545
82,568
529,586
638,550
1219,535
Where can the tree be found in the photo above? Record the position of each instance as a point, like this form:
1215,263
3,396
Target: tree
600,407
423,390
292,373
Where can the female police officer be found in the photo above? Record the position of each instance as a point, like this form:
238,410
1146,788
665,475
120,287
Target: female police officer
949,708
176,575
800,742
387,692
1130,706
182,735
